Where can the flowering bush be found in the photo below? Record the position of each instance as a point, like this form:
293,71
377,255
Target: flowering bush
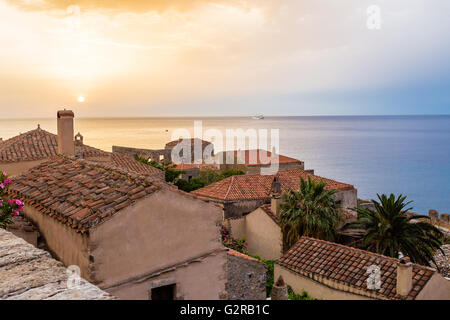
7,208
229,242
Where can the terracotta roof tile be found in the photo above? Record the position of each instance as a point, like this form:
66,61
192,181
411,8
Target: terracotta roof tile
80,193
256,157
36,144
321,260
128,163
256,186
235,253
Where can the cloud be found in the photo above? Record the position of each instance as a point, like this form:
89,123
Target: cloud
138,6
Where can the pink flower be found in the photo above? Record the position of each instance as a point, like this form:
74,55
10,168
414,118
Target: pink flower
2,186
7,181
19,203
15,213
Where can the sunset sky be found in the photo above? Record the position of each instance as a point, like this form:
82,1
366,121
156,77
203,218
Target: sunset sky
223,57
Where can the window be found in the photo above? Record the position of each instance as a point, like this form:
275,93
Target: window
161,157
163,293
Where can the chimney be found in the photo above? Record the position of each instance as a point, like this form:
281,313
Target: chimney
275,202
404,276
66,145
279,290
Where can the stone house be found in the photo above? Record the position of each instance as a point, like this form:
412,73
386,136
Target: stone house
132,235
240,195
253,161
331,271
246,277
261,230
28,273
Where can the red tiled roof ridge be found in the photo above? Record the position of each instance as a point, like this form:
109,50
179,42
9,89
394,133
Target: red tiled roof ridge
113,167
80,193
36,144
238,254
258,186
364,251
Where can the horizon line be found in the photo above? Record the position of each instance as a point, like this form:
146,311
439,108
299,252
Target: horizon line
236,116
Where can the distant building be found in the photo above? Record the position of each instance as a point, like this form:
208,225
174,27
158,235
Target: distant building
189,171
240,195
331,271
252,161
28,273
132,235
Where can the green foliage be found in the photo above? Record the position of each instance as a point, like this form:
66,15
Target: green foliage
311,211
389,230
295,296
229,173
188,186
240,245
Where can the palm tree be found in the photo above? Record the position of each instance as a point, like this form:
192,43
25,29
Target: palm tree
311,211
389,230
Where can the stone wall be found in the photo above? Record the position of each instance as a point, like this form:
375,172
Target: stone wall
246,278
28,273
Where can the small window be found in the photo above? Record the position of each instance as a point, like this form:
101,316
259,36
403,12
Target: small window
161,157
163,293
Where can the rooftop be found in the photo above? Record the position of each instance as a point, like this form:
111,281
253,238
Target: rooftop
256,186
28,273
36,144
39,144
191,141
325,261
80,193
237,254
258,157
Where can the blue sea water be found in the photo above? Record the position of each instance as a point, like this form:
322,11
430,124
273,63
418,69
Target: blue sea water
377,154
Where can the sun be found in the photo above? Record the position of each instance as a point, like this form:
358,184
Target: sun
80,99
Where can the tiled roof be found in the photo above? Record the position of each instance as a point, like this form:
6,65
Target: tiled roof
256,186
258,157
267,208
36,144
241,187
80,193
129,164
174,143
334,263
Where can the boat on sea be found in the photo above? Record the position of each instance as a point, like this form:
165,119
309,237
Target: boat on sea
258,117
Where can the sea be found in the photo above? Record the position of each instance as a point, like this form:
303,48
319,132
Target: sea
407,155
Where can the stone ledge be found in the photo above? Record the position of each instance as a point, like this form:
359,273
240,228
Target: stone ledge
28,273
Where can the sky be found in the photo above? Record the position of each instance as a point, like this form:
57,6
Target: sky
107,58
